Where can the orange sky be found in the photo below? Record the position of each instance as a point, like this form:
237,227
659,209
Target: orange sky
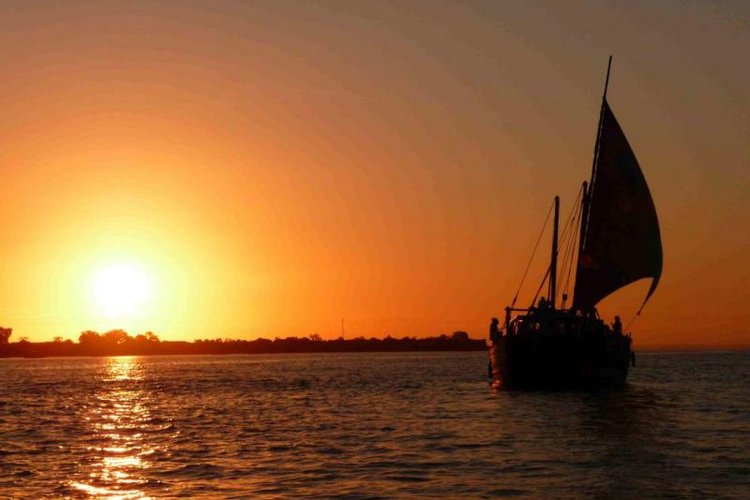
274,166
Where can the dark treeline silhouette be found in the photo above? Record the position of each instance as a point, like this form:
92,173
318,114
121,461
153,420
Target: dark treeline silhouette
120,343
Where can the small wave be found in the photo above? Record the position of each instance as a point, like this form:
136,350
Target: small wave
157,429
508,492
301,383
280,447
155,421
196,471
331,450
405,478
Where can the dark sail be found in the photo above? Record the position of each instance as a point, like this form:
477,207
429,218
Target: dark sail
621,241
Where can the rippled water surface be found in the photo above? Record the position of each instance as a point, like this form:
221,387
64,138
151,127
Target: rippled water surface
367,425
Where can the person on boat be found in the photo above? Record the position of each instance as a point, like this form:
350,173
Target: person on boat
544,313
543,304
495,330
617,326
508,326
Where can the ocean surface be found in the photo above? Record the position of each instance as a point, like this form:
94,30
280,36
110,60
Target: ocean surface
367,426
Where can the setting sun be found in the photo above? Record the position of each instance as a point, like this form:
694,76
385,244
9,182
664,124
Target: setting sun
121,289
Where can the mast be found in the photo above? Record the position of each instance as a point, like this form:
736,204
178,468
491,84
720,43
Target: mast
606,81
584,215
588,187
585,218
553,263
599,126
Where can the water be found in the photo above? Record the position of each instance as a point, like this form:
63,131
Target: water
367,425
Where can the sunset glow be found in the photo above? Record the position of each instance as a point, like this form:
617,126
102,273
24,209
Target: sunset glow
267,168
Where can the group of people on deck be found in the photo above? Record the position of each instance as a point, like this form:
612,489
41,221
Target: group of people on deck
544,307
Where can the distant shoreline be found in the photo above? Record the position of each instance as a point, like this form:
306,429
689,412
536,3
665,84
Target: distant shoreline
119,343
61,356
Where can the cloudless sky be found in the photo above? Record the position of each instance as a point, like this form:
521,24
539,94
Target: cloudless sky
272,167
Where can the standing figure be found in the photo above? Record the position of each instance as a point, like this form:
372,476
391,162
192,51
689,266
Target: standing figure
617,325
495,330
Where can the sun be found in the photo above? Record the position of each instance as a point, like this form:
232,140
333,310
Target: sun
121,289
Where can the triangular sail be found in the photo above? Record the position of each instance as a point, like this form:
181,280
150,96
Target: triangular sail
621,239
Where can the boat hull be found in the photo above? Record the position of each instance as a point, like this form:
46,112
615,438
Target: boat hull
560,361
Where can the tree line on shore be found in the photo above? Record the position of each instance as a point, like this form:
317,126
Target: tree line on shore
120,343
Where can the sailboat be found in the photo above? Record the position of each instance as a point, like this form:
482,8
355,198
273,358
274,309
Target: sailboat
614,226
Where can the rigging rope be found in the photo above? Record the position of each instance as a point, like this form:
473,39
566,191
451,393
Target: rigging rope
565,269
635,316
533,252
570,248
546,275
568,261
565,240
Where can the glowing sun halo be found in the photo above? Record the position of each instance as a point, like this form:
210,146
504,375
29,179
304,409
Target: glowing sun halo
121,289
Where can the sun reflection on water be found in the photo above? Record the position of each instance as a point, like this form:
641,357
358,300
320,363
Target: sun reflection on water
118,419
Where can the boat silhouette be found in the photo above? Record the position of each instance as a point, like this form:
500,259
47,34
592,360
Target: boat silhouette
613,230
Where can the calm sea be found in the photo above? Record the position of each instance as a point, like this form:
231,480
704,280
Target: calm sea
367,426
